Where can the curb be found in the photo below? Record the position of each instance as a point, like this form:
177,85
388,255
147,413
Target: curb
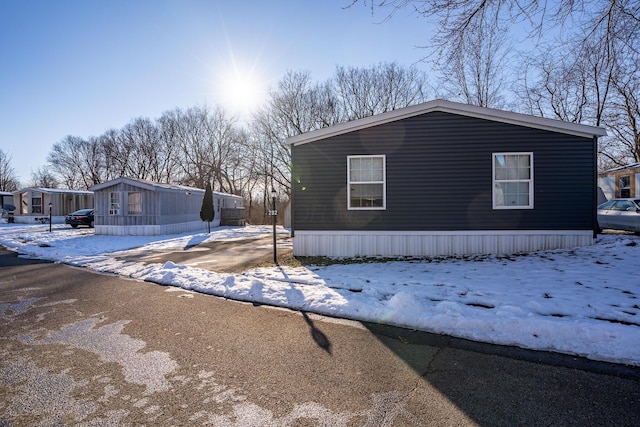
411,336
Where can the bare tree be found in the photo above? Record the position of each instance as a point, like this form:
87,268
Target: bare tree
473,64
584,17
78,161
363,92
581,69
579,25
169,163
592,81
207,142
115,156
298,105
44,178
65,161
189,132
140,141
623,119
8,177
558,90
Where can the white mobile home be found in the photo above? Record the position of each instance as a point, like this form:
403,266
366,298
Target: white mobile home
32,204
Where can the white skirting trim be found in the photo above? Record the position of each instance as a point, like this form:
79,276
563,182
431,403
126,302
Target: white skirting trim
433,243
150,230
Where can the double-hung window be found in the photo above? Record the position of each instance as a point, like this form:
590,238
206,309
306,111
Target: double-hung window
114,203
366,182
36,202
624,183
134,203
513,180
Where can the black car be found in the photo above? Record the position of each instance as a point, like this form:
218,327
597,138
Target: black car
81,217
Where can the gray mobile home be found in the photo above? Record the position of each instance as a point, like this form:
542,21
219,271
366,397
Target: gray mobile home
443,178
127,206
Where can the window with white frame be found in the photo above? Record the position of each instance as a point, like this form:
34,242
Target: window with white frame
366,182
513,180
625,185
114,203
36,202
134,203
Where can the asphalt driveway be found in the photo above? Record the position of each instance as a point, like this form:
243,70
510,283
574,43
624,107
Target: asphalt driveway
230,256
86,349
240,255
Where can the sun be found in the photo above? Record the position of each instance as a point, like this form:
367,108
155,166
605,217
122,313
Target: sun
242,90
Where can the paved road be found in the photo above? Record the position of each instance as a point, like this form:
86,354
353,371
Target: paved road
78,348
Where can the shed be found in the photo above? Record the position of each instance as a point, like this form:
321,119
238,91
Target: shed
32,204
126,206
443,178
619,182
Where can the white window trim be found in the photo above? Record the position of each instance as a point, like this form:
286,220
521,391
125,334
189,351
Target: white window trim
118,210
494,180
383,182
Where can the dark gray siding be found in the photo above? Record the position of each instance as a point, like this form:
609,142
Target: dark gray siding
439,177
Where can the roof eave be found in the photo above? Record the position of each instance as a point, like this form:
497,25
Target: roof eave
575,129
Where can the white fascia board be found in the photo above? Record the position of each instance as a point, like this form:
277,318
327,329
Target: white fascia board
51,191
519,119
146,185
102,185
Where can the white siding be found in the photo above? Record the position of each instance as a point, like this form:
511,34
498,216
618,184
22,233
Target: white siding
608,186
420,243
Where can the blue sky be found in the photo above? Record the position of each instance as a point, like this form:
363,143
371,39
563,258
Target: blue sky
80,67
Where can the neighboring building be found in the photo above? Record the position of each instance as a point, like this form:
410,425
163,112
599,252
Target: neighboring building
32,204
443,178
6,198
6,205
620,182
128,206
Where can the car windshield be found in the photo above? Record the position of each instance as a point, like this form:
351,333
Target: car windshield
82,212
620,205
607,205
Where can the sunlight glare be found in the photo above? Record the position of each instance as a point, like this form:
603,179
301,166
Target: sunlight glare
242,91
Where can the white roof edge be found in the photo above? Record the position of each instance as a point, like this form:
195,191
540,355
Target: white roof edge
143,184
155,186
621,168
510,117
51,190
219,193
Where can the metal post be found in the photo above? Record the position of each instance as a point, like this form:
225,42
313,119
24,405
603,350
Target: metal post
50,204
274,214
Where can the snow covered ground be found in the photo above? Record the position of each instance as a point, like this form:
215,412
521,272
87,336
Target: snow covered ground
583,301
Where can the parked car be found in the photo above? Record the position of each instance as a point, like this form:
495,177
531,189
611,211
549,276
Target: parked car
81,217
620,214
7,212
